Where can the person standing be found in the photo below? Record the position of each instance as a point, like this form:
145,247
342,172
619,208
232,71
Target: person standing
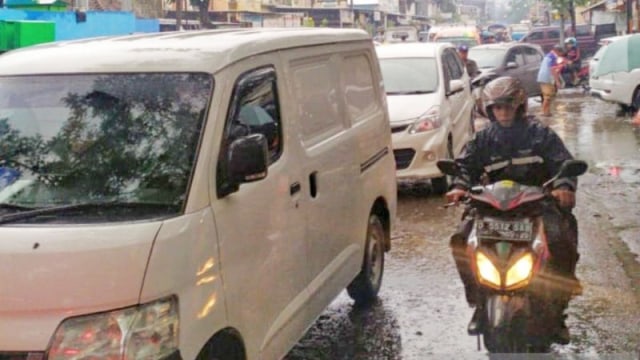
548,78
470,65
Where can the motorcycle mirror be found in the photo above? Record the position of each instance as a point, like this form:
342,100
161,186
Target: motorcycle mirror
448,167
569,168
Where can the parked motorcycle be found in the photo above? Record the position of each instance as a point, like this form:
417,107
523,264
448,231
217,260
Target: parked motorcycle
509,258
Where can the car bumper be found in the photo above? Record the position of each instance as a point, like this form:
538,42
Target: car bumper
416,154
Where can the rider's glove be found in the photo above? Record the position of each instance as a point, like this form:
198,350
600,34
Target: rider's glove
456,194
566,198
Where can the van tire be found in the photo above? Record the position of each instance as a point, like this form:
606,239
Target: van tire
223,346
365,287
440,185
635,100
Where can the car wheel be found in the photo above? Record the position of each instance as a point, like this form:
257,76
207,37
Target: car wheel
364,288
635,100
440,185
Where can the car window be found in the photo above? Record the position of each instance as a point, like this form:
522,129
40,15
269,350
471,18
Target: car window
359,90
454,68
409,75
535,35
532,56
254,109
553,34
487,58
515,55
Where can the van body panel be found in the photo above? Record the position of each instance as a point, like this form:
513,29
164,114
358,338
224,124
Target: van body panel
50,273
185,262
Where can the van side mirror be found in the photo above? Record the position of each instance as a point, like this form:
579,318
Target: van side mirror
512,65
248,159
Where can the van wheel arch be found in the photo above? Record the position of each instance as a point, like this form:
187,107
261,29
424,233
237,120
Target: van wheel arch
635,99
226,344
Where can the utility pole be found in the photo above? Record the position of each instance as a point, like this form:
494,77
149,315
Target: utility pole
572,13
629,16
178,14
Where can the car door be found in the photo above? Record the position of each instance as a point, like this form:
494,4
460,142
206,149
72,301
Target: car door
261,224
514,64
533,58
459,103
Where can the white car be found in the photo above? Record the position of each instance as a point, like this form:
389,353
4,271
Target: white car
622,88
430,107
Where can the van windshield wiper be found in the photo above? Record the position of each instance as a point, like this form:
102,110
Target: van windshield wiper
97,205
414,92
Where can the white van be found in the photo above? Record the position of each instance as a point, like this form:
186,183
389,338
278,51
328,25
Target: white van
194,195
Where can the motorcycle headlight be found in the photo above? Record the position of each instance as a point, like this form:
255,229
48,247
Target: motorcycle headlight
427,121
486,270
148,331
520,271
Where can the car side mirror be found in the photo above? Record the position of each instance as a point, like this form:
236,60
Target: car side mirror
455,86
248,159
512,65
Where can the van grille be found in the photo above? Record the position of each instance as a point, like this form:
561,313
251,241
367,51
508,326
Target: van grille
403,158
21,356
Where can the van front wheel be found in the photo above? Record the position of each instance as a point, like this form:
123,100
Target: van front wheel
364,288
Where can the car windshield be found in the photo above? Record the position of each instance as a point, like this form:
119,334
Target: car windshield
403,76
101,138
487,58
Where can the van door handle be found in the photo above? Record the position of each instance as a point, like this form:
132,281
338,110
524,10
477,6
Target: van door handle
294,188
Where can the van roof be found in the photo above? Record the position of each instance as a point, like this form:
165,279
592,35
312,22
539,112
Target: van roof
193,51
418,49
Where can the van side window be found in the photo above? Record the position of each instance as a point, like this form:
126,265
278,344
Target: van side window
254,109
359,91
317,99
553,34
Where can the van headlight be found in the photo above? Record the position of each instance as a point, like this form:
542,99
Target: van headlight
148,331
427,121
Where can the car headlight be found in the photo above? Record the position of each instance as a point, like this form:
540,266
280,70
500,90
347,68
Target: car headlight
427,121
520,271
148,331
486,270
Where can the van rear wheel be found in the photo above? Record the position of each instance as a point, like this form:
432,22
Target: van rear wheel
365,287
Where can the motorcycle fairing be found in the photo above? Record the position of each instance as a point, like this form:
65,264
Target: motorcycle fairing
506,195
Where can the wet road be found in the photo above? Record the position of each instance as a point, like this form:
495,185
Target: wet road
422,312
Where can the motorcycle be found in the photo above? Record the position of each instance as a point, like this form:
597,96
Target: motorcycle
566,79
509,257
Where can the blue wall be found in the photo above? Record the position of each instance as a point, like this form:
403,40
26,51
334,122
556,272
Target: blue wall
98,23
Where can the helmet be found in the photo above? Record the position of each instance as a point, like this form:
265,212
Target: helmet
504,90
571,41
463,48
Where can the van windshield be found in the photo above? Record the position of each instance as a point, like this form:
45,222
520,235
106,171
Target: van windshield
126,140
407,76
487,58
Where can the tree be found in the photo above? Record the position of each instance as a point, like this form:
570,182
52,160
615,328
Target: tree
566,8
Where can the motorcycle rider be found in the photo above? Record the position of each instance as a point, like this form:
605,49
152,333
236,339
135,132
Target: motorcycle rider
517,147
572,54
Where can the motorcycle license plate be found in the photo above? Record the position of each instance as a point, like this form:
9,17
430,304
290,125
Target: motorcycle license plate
504,230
